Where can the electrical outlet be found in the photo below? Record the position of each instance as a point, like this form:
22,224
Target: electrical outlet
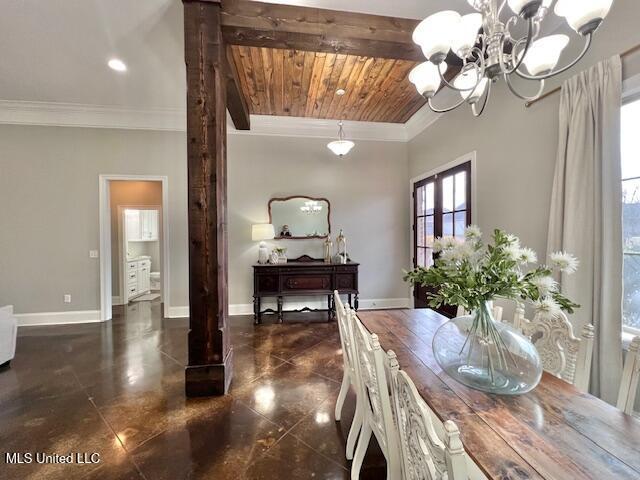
67,298
93,253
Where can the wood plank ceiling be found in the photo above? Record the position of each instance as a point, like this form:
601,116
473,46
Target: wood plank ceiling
303,84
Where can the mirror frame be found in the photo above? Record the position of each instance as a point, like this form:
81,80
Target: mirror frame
317,199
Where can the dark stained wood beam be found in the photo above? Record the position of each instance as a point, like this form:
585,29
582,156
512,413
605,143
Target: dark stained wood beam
236,103
258,24
209,369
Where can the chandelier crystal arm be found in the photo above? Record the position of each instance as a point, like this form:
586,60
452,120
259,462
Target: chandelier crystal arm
474,110
479,69
507,79
587,44
531,33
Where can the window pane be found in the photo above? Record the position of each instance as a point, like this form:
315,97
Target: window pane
631,296
461,191
430,200
421,257
447,194
630,140
447,225
420,241
430,232
460,224
631,214
420,200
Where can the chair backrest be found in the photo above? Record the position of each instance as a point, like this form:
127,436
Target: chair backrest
562,354
372,374
495,310
424,455
630,376
345,335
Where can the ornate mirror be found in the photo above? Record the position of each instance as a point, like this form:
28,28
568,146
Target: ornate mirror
300,217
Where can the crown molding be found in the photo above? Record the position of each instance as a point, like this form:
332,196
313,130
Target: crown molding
103,116
321,128
94,116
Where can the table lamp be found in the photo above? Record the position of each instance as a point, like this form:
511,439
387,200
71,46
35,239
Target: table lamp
259,233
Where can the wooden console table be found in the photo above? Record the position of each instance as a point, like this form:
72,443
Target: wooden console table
304,276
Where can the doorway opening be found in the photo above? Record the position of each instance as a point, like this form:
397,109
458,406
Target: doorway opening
133,241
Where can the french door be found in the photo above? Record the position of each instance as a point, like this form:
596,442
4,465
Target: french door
442,208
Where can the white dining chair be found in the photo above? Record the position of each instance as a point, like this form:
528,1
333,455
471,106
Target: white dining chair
562,354
349,376
428,451
374,398
630,376
495,310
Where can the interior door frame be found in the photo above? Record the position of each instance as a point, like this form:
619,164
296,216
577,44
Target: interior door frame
104,210
468,157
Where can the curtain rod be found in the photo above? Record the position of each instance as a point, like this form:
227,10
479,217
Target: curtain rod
557,89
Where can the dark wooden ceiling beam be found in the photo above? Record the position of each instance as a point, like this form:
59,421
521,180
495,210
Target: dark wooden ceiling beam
259,24
236,103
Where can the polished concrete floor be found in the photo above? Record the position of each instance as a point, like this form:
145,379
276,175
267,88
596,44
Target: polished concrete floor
117,389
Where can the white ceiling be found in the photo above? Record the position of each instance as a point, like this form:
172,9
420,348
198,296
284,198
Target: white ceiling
56,51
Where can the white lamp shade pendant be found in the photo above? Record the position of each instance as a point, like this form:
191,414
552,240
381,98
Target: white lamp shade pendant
340,147
580,13
543,55
435,34
426,78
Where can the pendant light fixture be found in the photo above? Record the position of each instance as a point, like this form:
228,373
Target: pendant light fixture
340,147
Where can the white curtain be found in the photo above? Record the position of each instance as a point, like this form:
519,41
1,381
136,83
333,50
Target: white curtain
586,212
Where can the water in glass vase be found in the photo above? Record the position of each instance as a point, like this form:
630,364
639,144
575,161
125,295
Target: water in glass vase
486,355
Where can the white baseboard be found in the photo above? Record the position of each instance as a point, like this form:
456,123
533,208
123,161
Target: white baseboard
177,312
58,318
247,308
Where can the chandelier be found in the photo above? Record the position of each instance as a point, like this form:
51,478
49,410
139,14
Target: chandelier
310,207
490,51
341,146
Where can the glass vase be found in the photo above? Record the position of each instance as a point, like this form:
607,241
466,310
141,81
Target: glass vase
487,355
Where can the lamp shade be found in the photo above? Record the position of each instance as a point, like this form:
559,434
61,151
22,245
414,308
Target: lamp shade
426,79
580,12
466,34
466,80
262,231
340,147
435,33
543,54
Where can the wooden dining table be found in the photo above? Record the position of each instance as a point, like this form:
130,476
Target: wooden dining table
552,432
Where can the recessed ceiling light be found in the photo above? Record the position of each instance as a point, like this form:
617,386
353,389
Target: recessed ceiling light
340,92
117,65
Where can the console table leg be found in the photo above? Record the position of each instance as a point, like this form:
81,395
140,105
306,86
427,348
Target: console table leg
280,309
356,303
349,300
256,310
329,307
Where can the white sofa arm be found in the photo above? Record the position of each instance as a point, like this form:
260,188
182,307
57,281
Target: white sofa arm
8,334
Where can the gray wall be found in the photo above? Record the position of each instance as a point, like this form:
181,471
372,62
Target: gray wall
516,147
368,191
49,207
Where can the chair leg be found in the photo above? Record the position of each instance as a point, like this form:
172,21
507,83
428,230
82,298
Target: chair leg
361,449
356,425
344,389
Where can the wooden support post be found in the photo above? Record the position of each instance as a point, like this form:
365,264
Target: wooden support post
210,369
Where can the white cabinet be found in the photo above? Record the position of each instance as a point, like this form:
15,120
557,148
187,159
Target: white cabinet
141,225
138,278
